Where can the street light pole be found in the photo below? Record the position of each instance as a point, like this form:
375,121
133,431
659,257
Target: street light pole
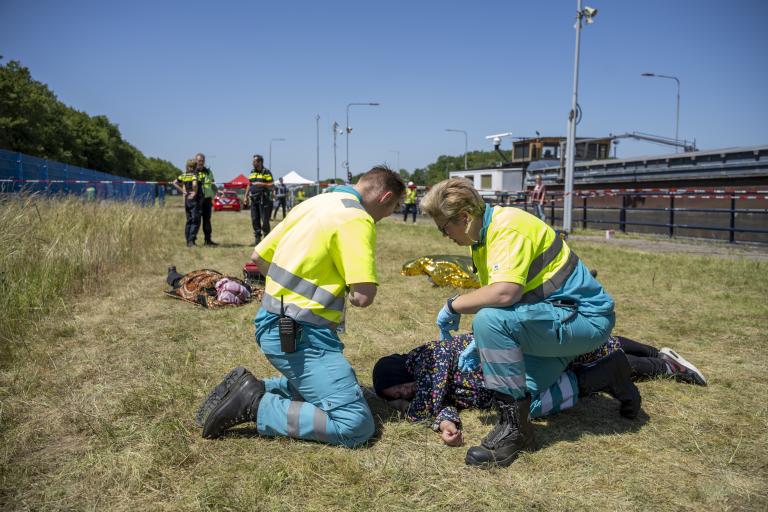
317,129
588,13
349,130
677,104
270,150
335,128
397,152
465,143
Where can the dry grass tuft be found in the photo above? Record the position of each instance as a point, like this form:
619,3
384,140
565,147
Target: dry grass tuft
97,407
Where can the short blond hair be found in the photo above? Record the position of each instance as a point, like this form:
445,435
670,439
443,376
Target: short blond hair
451,197
191,165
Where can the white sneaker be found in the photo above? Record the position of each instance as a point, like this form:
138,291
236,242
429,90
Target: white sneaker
684,370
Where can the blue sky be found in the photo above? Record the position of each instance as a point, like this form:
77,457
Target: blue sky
226,77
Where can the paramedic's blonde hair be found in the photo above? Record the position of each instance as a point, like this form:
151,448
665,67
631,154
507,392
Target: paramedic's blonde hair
191,165
451,197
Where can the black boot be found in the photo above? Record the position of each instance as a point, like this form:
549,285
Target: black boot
173,277
611,374
234,401
512,434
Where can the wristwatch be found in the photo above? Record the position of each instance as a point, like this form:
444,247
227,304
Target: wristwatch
449,303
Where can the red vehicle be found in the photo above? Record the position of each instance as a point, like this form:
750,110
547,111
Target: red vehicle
226,201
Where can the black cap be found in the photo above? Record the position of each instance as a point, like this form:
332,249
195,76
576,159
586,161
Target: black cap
390,371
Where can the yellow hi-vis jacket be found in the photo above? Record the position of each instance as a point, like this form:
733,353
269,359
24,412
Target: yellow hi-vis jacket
410,196
516,247
325,244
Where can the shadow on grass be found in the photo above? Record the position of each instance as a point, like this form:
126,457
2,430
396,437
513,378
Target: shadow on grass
225,245
594,415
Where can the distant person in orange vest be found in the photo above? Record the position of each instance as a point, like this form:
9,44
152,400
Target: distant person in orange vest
537,198
410,202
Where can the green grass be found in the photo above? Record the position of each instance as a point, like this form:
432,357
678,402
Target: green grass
98,402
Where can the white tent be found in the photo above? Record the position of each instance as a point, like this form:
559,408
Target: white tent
294,178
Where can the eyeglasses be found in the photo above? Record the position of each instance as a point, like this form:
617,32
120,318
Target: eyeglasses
442,228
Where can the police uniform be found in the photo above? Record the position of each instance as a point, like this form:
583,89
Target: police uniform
261,202
324,244
563,312
205,182
410,203
191,206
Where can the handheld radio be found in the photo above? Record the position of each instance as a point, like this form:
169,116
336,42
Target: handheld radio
287,328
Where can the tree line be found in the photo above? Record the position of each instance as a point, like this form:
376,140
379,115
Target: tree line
35,122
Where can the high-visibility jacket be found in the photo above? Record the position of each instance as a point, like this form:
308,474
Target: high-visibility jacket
262,176
187,181
325,244
410,196
516,247
205,180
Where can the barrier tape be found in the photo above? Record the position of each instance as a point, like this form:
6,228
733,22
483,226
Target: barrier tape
560,199
113,182
682,193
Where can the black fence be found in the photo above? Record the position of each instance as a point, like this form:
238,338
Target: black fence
733,216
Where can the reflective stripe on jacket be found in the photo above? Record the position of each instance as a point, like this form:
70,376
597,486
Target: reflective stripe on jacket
324,244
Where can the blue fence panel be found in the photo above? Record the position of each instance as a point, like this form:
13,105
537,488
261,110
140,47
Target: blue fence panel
20,172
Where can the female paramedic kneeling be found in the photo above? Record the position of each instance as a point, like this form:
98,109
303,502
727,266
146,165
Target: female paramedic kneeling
537,309
321,255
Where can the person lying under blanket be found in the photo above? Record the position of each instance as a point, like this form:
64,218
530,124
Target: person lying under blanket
210,289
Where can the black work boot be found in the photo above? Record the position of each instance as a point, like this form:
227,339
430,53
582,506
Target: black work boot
173,277
611,374
511,435
234,401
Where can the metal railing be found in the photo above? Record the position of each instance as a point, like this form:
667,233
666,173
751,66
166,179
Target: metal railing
697,222
24,173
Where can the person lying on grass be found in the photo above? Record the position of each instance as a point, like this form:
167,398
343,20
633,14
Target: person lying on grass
209,288
427,384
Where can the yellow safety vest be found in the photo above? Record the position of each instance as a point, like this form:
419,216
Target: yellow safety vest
516,247
324,244
186,181
410,196
205,178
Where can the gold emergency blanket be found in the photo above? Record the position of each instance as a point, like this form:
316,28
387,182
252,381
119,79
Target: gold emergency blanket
444,270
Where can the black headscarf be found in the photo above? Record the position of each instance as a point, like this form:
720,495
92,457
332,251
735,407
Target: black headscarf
390,371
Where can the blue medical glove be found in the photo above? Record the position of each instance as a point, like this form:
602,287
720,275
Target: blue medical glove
448,321
469,359
445,335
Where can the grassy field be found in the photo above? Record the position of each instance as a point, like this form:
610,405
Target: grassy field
98,396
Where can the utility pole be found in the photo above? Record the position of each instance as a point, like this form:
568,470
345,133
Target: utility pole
317,129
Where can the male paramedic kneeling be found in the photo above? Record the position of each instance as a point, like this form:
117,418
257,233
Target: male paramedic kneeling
322,252
538,308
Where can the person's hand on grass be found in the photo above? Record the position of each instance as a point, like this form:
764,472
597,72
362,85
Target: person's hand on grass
451,434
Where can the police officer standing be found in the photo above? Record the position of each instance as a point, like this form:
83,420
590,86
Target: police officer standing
318,258
258,195
188,185
207,187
